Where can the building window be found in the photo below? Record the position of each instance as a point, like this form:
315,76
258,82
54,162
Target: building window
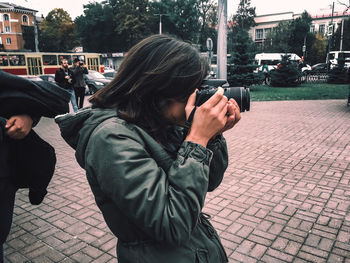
8,41
7,29
6,17
266,32
24,19
321,29
312,29
259,33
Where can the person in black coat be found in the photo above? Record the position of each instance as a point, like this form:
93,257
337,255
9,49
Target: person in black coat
16,127
26,160
63,77
78,71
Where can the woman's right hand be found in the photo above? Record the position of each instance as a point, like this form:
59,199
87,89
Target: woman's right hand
209,119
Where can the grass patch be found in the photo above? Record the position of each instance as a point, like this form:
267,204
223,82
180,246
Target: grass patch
306,91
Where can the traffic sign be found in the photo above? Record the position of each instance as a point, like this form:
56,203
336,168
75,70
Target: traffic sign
209,44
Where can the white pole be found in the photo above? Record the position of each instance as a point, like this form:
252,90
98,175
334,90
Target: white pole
222,40
160,24
341,35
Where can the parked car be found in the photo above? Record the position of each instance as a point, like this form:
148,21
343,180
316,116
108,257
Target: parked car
48,77
95,81
110,75
31,77
319,68
306,68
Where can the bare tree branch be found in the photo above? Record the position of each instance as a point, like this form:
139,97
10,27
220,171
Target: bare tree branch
344,4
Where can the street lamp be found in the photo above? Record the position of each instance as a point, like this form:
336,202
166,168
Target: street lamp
160,21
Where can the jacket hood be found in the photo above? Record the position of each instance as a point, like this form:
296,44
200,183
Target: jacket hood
76,128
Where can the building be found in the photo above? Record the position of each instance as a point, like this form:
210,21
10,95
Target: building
320,23
12,18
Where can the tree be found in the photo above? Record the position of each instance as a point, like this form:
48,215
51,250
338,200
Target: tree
318,52
57,32
132,19
300,34
287,74
28,37
241,64
244,17
242,20
277,40
290,36
346,36
208,22
96,29
184,19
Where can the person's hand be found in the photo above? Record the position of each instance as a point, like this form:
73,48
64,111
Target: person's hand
233,115
210,118
18,126
67,77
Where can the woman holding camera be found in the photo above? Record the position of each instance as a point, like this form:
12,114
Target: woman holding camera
148,173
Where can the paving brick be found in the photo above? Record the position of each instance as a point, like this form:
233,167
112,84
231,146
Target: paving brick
284,197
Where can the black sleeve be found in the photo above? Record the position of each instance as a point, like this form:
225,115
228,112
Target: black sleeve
59,77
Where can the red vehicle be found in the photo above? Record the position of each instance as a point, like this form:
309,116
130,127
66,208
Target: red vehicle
38,63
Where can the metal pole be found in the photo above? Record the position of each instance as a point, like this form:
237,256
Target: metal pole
304,47
160,22
36,41
330,39
222,40
341,35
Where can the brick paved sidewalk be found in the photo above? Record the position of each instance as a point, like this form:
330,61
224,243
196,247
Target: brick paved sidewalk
285,196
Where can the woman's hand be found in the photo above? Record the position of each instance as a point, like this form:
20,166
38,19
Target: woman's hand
233,115
18,126
210,118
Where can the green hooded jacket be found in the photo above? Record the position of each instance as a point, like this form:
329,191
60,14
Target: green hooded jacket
150,195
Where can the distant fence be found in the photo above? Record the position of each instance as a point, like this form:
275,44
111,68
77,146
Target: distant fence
314,78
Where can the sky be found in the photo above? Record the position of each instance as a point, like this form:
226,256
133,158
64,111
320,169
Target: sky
263,7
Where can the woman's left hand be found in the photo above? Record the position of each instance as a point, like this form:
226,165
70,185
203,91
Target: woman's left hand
233,113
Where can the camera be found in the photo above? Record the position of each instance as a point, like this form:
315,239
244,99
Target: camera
81,63
240,94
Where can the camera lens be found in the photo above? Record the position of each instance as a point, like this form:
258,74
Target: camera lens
241,95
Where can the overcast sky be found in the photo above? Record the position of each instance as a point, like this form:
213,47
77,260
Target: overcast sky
75,7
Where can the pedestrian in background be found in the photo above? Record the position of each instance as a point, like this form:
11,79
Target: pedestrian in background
148,172
63,77
78,70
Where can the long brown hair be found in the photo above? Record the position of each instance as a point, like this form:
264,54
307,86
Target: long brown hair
158,69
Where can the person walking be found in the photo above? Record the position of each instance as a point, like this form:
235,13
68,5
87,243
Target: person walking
151,155
63,77
78,71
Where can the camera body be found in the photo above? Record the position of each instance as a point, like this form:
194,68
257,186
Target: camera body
240,94
81,63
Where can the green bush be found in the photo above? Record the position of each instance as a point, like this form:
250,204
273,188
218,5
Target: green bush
287,74
338,74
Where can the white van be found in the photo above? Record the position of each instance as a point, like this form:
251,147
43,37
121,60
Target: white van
272,59
335,55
